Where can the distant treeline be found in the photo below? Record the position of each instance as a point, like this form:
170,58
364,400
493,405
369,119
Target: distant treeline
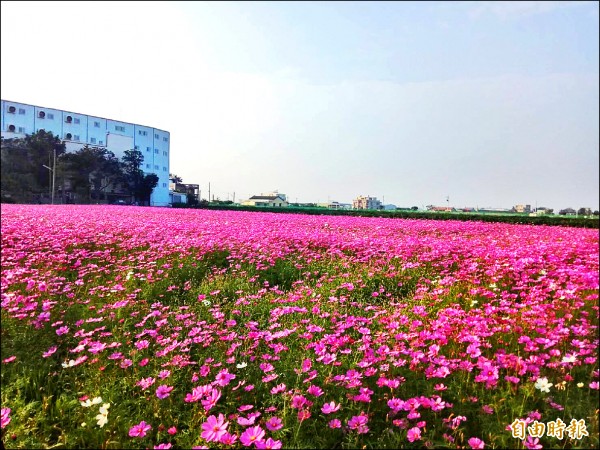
579,222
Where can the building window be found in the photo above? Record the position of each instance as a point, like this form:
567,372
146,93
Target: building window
147,149
147,166
21,111
164,184
22,130
142,133
155,167
156,150
165,153
76,121
164,169
101,142
76,137
93,140
97,124
50,116
156,136
166,139
119,128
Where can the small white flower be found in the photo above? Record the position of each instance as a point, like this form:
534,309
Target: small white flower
543,385
206,302
569,359
129,275
96,400
579,385
83,424
104,409
102,420
86,404
241,365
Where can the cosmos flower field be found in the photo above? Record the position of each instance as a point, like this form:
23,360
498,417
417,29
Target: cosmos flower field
131,327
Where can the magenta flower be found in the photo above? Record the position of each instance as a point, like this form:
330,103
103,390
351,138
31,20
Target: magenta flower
268,444
5,417
532,444
335,423
228,439
274,424
252,435
414,434
139,430
166,446
172,431
214,428
476,443
330,407
163,391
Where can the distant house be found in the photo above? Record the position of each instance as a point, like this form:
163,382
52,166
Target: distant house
567,212
273,201
440,208
365,202
334,205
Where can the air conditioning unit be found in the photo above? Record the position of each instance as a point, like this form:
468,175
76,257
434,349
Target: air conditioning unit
41,114
68,119
68,136
11,128
12,109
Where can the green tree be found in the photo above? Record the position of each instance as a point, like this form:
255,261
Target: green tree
140,185
91,170
23,160
175,178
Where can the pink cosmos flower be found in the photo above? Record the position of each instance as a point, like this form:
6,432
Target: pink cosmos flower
163,446
532,444
330,407
62,330
50,352
268,444
145,383
5,417
251,435
335,423
414,434
476,443
163,391
228,439
139,430
214,428
315,390
359,423
274,424
303,415
172,431
223,378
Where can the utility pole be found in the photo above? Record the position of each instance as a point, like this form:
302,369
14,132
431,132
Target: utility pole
53,175
209,191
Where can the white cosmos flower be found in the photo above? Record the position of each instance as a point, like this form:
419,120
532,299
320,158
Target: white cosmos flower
241,365
543,385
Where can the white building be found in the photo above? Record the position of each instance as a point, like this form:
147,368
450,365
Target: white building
77,130
365,202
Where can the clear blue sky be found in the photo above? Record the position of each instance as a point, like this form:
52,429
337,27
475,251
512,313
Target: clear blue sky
490,103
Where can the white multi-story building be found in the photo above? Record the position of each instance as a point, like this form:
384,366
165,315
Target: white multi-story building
77,130
366,202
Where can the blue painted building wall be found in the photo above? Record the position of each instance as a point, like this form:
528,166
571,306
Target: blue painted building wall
76,130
